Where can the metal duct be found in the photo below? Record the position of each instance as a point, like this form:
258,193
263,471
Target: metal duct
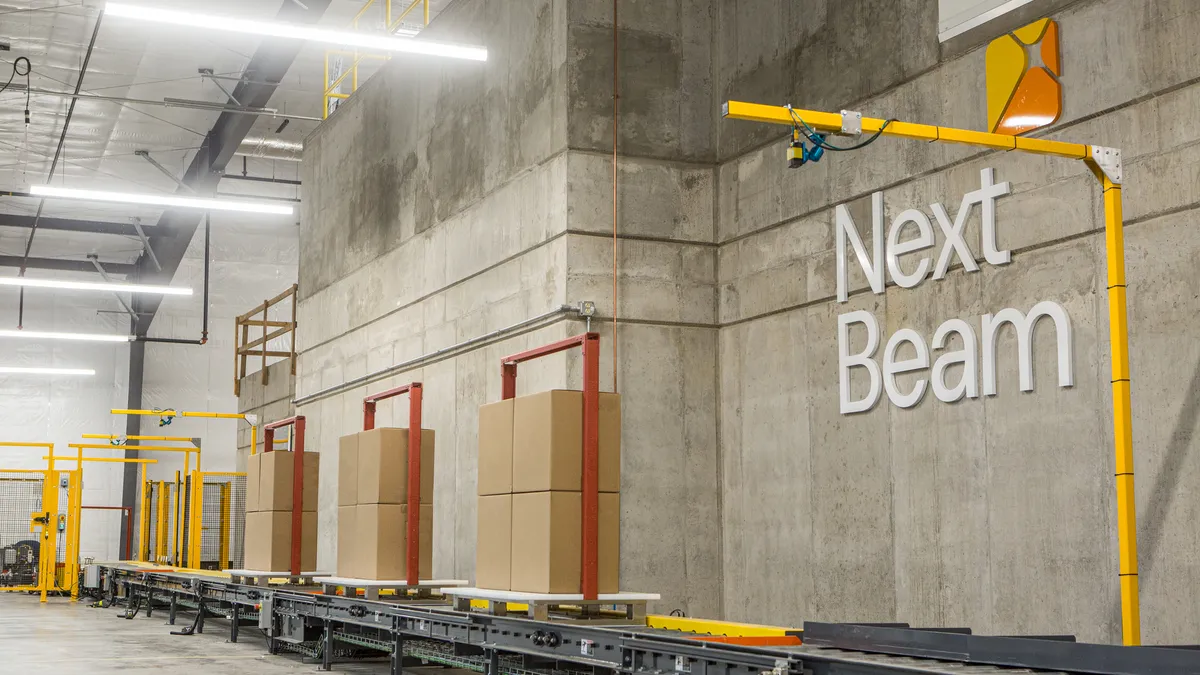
269,148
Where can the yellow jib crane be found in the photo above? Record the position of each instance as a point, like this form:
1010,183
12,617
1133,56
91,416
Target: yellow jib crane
1105,164
143,515
165,416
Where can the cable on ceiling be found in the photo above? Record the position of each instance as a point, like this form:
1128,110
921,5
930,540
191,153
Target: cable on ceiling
16,72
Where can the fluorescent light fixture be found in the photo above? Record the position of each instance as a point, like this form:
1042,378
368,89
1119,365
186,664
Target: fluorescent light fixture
169,201
10,370
91,286
87,337
285,30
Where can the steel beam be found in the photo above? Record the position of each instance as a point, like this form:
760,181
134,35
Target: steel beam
69,225
63,265
177,227
104,273
133,427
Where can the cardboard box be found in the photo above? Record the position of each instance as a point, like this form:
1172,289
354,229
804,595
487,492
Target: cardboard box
609,556
548,442
493,543
275,481
547,547
496,448
380,546
253,476
269,541
348,471
347,531
383,466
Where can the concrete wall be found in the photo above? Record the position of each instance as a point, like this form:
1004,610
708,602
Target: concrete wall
500,214
448,200
467,238
998,513
666,277
271,401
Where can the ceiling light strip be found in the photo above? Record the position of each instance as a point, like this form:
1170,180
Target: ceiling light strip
93,286
86,337
169,201
284,30
13,370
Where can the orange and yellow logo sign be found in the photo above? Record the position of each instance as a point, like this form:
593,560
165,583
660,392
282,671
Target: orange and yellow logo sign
1022,96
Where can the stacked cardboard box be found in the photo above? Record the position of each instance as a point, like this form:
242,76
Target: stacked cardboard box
373,505
269,481
530,500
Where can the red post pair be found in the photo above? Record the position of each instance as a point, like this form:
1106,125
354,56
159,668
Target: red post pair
590,344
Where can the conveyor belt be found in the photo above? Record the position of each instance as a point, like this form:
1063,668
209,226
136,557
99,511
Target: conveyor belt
317,624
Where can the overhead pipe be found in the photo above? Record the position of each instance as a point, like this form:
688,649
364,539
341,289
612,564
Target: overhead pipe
270,148
371,377
261,179
167,103
616,96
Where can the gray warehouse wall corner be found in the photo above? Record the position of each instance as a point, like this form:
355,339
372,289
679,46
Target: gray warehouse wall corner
444,201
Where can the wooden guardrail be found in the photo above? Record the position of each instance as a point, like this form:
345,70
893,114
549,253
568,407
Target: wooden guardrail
258,347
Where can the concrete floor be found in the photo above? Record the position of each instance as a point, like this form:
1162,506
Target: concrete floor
69,638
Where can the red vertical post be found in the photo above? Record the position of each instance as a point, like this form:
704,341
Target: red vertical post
508,381
412,526
591,465
368,414
297,493
414,484
590,527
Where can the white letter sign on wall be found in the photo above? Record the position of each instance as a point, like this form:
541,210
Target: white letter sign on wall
968,385
1024,325
862,360
845,227
886,260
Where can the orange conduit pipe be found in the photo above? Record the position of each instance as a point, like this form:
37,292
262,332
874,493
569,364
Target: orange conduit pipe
616,95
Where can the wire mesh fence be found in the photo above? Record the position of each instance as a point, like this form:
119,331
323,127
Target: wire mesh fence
162,511
222,521
20,497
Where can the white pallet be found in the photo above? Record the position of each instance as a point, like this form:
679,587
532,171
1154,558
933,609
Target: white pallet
539,605
263,577
372,587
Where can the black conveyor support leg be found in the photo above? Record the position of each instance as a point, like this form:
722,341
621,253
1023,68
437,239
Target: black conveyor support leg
327,647
493,662
398,654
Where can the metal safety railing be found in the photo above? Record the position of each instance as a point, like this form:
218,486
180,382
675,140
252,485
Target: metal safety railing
261,346
336,70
